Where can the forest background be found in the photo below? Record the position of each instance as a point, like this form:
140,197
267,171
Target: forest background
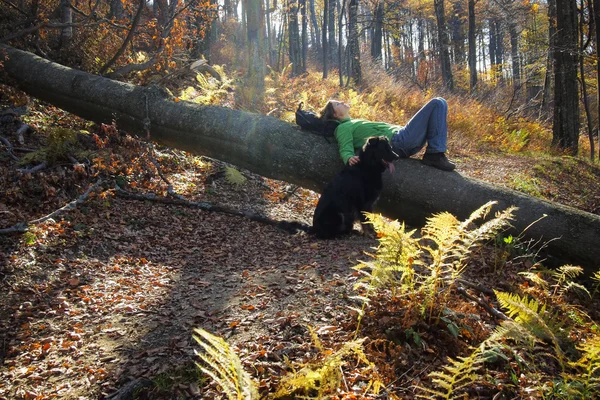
521,78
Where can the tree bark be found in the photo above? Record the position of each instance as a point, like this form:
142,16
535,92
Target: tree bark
278,150
377,40
303,13
472,47
254,90
565,128
443,44
294,38
514,54
324,39
315,25
354,71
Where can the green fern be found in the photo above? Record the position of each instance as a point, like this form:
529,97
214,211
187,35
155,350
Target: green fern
224,367
233,176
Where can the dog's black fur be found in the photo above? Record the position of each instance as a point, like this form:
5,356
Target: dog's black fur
352,191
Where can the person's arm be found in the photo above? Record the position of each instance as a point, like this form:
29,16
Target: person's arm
343,135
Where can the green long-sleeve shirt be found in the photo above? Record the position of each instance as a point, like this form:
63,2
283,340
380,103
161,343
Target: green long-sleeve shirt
351,134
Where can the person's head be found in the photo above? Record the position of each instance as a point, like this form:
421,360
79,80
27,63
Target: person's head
335,109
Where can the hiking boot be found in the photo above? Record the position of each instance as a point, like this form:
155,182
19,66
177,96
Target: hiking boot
439,161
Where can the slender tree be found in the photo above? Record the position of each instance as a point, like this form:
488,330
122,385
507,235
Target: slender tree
354,69
325,43
596,6
304,33
66,18
377,40
255,25
294,37
472,46
315,26
443,44
565,128
331,35
584,40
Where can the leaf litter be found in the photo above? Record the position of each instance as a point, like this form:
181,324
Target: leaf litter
109,293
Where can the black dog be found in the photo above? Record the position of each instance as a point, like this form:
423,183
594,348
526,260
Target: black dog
354,190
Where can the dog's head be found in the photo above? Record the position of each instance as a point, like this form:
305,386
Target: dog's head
377,153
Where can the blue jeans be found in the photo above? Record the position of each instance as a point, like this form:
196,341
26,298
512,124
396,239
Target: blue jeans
428,125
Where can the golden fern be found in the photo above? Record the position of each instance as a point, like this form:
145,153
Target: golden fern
325,377
400,261
530,315
224,367
454,377
596,278
564,276
589,367
233,176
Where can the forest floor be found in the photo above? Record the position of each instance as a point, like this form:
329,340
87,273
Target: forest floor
107,295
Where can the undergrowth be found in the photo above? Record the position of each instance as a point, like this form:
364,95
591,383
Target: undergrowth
533,347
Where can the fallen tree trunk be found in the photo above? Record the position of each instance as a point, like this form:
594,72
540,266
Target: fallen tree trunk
276,149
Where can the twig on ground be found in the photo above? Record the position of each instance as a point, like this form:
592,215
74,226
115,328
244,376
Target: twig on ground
9,148
480,289
20,132
483,304
193,204
24,226
32,170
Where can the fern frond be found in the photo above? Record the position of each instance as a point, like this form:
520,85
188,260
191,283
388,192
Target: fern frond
224,367
535,277
480,213
323,377
588,366
568,272
512,330
529,314
454,377
233,176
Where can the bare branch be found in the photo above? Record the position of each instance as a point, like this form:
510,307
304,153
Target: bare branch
121,50
9,148
24,226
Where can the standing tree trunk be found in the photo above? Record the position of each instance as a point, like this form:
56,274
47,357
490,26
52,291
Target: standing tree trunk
354,71
162,10
472,47
340,58
324,38
565,128
294,38
315,25
443,44
546,100
66,17
377,39
116,9
331,34
254,91
304,34
514,54
596,5
584,96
